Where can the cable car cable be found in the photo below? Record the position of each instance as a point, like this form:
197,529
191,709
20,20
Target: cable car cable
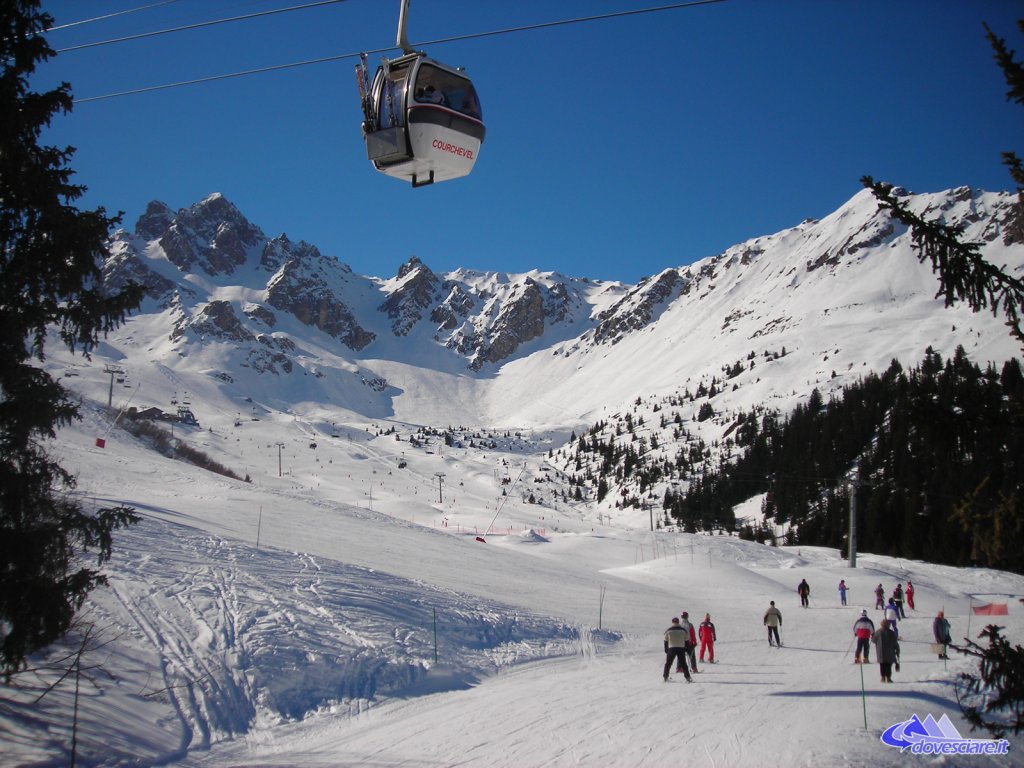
340,57
563,22
198,25
108,16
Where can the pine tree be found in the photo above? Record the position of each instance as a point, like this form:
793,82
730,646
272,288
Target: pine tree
50,279
999,684
963,274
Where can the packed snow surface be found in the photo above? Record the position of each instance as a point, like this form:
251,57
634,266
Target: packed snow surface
347,613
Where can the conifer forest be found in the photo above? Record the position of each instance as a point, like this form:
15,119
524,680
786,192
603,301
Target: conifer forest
936,454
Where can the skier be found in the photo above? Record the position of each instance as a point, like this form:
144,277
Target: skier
773,620
676,639
892,615
863,629
879,597
842,591
910,595
940,629
691,645
804,590
897,595
707,638
887,650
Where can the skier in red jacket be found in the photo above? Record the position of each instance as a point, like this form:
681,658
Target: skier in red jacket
863,630
707,638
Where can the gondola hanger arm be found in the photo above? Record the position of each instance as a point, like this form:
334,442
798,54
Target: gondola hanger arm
402,41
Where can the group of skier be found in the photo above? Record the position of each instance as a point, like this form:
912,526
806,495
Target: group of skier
681,637
897,597
886,637
681,644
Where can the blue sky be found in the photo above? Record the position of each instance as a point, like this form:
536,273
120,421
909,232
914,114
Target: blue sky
614,148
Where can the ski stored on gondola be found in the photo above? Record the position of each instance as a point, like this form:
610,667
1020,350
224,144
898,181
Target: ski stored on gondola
422,121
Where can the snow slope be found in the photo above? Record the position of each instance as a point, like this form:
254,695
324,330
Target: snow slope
364,600
291,621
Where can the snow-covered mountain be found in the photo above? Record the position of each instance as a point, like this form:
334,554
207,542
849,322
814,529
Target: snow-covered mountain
368,593
235,316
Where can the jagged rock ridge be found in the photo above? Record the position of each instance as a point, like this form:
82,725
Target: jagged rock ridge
280,307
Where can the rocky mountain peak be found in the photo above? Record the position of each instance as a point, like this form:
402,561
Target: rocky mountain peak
154,221
411,265
417,291
212,236
636,309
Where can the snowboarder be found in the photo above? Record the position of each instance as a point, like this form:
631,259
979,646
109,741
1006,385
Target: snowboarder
691,645
879,597
804,589
773,620
910,595
842,591
887,650
863,629
940,629
676,639
707,638
897,595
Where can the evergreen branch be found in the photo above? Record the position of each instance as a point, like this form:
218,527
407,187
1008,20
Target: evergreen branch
1000,679
964,274
1013,70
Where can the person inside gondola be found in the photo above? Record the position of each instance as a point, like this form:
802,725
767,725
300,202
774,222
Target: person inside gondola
431,95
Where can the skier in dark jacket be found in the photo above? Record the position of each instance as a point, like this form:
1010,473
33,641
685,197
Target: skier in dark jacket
940,630
805,592
897,596
887,649
676,639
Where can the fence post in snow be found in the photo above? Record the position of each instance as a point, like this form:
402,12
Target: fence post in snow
863,697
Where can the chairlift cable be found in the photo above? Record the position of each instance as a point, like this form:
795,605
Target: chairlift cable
198,25
213,78
564,22
339,57
79,23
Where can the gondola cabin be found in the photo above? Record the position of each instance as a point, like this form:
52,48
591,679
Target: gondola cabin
422,120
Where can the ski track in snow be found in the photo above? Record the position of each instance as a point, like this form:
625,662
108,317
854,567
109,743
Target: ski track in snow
238,631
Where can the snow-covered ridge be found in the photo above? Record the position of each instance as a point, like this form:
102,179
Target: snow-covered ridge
270,312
